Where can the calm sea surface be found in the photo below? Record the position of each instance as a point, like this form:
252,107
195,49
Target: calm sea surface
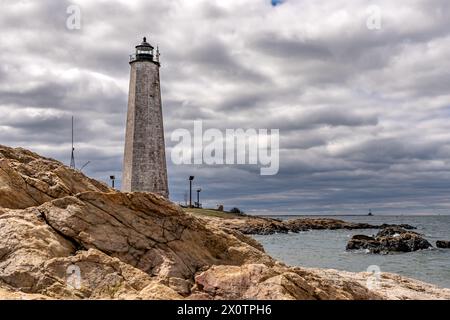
326,249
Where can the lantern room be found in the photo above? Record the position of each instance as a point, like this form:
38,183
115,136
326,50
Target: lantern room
144,51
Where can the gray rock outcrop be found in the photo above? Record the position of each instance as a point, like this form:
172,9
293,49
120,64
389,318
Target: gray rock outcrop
390,239
65,236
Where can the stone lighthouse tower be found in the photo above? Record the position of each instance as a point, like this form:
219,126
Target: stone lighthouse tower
144,167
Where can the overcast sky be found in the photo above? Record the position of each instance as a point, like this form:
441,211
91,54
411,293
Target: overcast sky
363,113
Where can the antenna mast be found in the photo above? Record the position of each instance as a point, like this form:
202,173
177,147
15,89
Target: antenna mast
72,159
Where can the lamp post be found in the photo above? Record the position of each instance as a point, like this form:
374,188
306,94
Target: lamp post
190,190
113,178
198,197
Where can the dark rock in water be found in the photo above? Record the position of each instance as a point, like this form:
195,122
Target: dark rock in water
404,226
267,226
263,227
360,241
391,239
362,237
392,231
305,224
443,244
404,242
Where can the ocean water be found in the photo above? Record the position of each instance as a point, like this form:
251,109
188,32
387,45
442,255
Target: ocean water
326,249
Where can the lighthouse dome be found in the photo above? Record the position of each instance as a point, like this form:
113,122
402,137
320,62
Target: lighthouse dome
144,51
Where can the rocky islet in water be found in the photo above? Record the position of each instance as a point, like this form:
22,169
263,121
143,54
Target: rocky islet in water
388,240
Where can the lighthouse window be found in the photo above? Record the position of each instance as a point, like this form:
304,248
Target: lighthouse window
144,51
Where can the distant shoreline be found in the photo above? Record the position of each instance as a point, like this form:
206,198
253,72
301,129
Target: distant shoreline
347,215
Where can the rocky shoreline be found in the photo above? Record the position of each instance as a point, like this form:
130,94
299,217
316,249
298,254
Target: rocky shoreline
66,236
254,225
391,238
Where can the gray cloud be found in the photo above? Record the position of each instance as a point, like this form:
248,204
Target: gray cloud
292,49
363,115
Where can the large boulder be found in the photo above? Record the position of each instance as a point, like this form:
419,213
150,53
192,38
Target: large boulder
359,242
403,226
256,281
390,239
27,179
394,231
141,230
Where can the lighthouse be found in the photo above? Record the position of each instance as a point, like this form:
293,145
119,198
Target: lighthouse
144,166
